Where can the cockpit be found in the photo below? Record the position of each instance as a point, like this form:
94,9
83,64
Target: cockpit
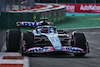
46,29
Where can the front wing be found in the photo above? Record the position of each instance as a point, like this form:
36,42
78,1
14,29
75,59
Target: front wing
51,49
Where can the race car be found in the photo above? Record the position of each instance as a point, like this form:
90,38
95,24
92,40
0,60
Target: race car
44,38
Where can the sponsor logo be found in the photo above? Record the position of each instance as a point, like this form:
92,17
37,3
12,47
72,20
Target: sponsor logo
89,7
74,49
83,8
39,49
31,23
70,7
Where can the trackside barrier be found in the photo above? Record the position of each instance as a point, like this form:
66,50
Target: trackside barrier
9,19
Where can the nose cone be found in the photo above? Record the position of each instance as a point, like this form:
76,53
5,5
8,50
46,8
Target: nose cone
55,42
57,46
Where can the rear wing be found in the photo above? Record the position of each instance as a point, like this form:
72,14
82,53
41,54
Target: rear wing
33,24
30,24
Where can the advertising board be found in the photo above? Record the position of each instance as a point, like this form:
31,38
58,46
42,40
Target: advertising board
89,8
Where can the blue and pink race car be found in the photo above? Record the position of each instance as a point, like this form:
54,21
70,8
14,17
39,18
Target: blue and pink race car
44,38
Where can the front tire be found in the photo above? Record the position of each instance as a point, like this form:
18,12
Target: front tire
28,39
79,40
12,40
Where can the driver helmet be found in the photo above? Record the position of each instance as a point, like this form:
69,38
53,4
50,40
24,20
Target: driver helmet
44,30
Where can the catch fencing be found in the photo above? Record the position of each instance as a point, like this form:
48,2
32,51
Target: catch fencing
69,1
7,5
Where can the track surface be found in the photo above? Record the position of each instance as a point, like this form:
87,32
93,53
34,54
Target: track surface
68,60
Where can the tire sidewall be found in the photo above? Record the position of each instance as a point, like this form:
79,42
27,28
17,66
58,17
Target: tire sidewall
12,40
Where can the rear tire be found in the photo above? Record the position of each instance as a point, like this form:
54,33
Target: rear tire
13,40
79,40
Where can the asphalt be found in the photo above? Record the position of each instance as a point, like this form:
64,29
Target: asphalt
2,38
68,60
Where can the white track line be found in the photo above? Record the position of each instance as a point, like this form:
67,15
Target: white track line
26,62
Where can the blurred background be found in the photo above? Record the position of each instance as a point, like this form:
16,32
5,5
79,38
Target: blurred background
68,1
85,10
6,5
23,4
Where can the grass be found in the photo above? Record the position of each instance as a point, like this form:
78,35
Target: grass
79,22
